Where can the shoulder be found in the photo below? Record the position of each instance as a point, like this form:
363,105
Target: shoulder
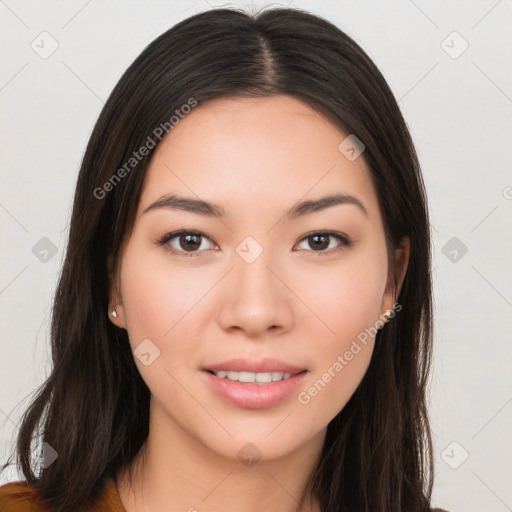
20,497
109,499
438,510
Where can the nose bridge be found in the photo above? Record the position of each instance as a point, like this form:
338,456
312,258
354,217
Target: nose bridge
252,275
255,299
256,273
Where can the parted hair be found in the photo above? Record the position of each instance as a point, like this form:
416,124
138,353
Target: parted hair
93,408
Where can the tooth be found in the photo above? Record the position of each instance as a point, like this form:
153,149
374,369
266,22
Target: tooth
246,376
264,377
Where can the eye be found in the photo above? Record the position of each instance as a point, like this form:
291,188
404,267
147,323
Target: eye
187,243
321,240
190,243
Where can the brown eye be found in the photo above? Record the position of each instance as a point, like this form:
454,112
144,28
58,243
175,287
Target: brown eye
322,242
184,243
189,242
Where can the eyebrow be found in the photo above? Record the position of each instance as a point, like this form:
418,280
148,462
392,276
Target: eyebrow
198,206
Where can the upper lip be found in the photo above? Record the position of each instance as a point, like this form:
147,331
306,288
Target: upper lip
241,364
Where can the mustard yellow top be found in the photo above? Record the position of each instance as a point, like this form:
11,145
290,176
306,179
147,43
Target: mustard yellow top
20,497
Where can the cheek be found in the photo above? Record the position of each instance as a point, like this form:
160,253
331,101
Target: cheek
347,303
345,298
163,304
158,298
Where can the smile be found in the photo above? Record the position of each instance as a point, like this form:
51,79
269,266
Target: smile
251,377
241,389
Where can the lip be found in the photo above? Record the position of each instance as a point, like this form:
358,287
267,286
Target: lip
253,396
241,364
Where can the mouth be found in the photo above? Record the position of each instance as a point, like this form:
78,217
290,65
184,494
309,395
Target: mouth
254,384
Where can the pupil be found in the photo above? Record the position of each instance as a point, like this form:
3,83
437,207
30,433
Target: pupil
320,245
192,245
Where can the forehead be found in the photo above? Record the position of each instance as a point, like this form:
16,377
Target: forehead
252,153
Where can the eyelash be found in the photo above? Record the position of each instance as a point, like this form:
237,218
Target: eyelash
345,242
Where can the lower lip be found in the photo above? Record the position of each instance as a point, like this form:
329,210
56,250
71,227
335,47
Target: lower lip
253,396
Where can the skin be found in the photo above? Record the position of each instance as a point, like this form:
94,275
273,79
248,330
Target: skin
256,158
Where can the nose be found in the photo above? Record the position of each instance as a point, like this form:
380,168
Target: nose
255,298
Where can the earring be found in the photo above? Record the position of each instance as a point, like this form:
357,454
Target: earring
114,312
388,313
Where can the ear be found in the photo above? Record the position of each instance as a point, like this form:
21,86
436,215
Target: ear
114,296
398,275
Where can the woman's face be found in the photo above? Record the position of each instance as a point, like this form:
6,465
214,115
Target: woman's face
256,280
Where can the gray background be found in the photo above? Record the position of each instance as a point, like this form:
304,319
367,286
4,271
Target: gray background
457,103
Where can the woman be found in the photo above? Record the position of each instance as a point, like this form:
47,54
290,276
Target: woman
244,313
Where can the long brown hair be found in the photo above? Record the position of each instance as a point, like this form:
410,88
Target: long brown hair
94,407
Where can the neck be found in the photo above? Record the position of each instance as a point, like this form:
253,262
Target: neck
176,472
